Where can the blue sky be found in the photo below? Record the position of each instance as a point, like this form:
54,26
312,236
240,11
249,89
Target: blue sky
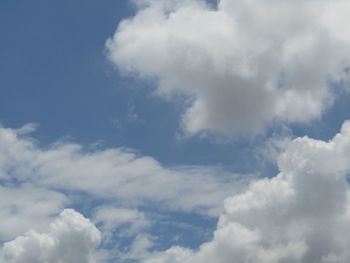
53,58
145,126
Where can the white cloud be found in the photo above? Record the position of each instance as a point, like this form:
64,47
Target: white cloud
112,217
301,215
139,248
119,174
174,254
71,239
37,182
242,65
25,207
129,222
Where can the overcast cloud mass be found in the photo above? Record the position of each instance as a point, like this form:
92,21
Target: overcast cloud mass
239,69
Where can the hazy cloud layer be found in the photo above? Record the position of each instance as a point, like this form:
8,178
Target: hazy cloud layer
243,64
301,215
118,174
71,239
38,182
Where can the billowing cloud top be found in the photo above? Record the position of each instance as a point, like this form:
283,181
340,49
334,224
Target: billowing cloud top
302,215
72,239
243,64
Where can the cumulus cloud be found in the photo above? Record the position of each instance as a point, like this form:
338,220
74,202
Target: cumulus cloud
119,174
71,239
242,65
25,207
37,182
301,215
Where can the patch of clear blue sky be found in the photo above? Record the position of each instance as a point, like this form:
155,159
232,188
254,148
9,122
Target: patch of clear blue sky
54,72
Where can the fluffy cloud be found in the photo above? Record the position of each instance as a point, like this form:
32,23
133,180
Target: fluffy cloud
72,238
37,182
300,215
241,65
119,174
25,207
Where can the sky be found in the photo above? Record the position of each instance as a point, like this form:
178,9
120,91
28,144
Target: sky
188,131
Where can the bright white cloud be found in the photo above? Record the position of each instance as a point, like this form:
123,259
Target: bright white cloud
301,215
38,182
243,64
71,239
118,174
